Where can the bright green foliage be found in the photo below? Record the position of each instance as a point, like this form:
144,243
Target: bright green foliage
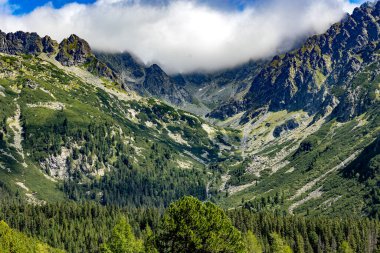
149,244
278,244
189,225
16,242
252,243
123,240
345,248
70,226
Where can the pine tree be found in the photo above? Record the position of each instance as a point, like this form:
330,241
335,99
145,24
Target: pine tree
345,248
278,245
192,226
252,243
149,244
123,240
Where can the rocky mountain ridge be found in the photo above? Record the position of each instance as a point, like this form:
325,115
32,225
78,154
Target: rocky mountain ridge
145,80
72,51
25,43
318,74
196,92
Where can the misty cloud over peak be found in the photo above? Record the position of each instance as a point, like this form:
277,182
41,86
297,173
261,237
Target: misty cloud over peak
183,36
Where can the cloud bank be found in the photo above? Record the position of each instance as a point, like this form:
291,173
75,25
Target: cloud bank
183,35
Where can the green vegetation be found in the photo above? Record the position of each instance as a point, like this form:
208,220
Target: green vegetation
189,225
278,244
123,240
93,146
366,169
308,234
252,243
16,242
349,189
87,167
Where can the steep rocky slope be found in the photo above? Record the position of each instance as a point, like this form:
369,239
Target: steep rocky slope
66,133
147,81
195,92
308,115
320,73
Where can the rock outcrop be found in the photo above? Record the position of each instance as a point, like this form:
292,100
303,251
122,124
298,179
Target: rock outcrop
49,46
209,89
73,51
25,43
159,83
287,126
147,81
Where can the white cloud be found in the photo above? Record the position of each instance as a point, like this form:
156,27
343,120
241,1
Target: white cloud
184,35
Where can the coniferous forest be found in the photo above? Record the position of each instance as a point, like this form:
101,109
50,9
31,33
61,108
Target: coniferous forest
187,225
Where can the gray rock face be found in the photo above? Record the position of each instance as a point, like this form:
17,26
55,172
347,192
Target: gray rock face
210,89
125,64
305,78
157,82
101,69
287,126
147,81
25,43
31,84
73,51
214,89
49,45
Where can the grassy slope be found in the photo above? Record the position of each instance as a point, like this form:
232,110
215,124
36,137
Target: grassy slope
48,95
329,144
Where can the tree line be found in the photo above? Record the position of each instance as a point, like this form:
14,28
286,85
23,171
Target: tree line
187,225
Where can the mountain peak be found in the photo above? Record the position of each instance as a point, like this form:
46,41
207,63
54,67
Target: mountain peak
74,37
155,68
304,78
73,51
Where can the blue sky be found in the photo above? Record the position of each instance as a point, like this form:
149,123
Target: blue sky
26,6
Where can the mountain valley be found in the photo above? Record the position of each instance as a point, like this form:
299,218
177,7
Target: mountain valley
298,134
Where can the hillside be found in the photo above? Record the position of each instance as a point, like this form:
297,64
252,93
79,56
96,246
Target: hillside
309,115
298,133
102,153
70,133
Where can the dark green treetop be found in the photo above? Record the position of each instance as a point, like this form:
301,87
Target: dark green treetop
189,225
